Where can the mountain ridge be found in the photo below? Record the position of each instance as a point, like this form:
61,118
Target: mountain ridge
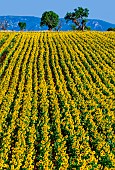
33,23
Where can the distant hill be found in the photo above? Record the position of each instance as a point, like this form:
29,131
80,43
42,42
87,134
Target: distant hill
33,23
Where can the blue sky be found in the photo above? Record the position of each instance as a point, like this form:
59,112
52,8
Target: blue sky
98,9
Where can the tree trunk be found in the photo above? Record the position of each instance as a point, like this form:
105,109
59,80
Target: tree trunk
83,27
76,22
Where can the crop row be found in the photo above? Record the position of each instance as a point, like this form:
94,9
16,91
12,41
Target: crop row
57,100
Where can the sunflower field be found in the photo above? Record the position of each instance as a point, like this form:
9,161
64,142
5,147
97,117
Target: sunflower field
57,100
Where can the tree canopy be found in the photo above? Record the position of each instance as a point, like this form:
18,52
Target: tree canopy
22,25
111,29
50,19
78,17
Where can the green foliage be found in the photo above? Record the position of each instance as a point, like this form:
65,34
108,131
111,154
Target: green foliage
105,161
22,25
73,27
87,28
111,29
78,17
50,19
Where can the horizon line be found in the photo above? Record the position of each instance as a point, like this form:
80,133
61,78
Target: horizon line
40,17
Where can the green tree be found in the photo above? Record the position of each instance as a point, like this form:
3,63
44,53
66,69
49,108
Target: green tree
22,25
111,29
78,17
50,19
88,28
73,27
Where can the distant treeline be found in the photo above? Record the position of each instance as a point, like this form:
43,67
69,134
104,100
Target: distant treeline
111,29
